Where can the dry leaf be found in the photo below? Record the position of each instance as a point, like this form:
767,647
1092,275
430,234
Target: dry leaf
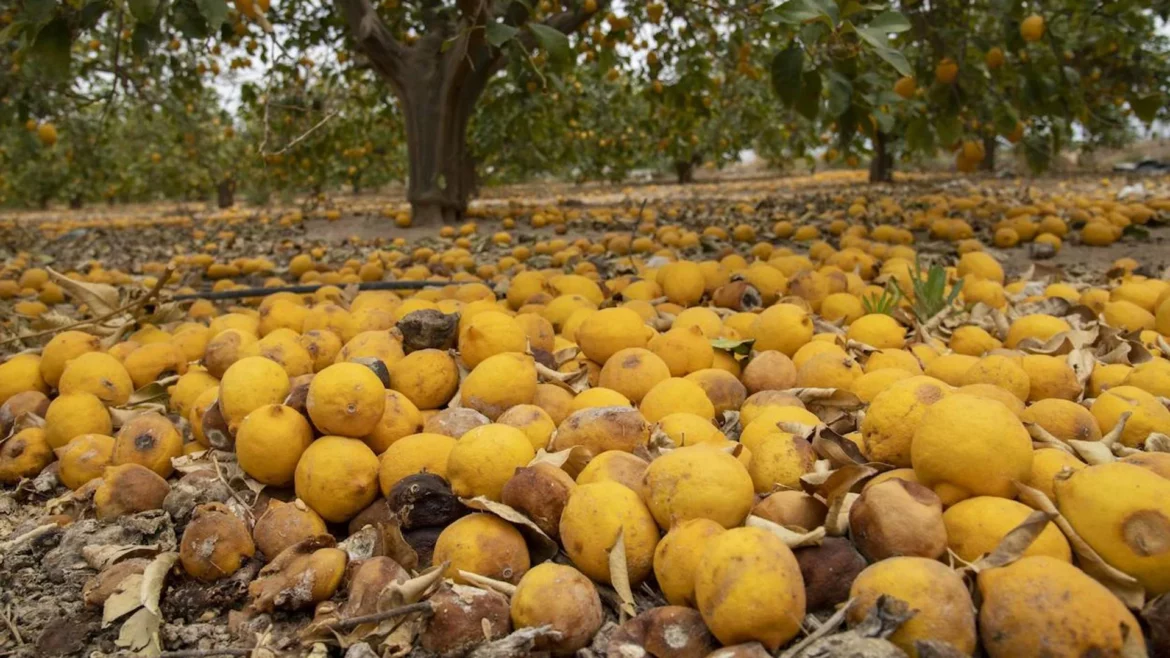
412,591
1093,452
483,582
619,574
839,450
139,635
127,597
123,415
152,392
100,557
1114,435
1082,362
1124,586
574,382
1157,442
23,422
834,490
102,299
540,546
1042,438
572,461
791,538
827,397
1015,542
154,578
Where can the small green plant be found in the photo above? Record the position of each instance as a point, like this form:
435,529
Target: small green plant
886,302
930,291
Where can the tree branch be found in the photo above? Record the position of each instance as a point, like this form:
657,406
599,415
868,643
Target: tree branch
374,39
566,22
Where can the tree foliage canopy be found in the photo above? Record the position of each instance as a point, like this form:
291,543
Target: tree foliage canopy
149,98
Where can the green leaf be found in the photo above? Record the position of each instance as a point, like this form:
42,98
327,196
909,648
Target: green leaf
143,10
949,130
91,13
885,122
1146,107
840,94
145,36
742,347
809,102
889,21
881,45
828,9
188,21
552,41
854,7
213,11
814,32
50,53
1005,119
787,67
846,127
795,12
38,12
498,34
1140,232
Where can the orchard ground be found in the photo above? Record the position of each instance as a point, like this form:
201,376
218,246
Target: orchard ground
677,370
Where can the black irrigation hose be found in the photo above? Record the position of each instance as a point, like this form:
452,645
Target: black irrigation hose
262,292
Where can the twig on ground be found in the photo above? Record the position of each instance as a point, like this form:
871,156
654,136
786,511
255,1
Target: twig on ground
206,653
7,616
401,611
125,308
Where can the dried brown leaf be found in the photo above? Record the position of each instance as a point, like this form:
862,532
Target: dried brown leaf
571,460
1124,586
154,578
101,556
827,397
1042,438
619,575
839,450
540,546
1157,442
127,598
484,582
102,299
574,382
791,538
139,634
1015,542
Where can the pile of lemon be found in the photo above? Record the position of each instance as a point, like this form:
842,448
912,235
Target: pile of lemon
687,415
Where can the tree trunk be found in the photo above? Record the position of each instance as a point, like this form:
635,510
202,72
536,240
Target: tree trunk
989,144
881,166
438,80
76,202
226,193
684,170
437,110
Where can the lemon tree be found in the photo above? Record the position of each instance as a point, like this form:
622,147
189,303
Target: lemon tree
434,58
831,72
1042,77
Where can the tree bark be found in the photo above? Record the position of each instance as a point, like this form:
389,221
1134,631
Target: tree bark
437,100
881,166
684,170
76,202
989,144
225,193
438,81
